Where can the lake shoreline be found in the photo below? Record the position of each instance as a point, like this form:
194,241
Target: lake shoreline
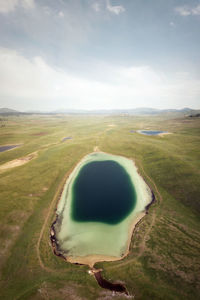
90,260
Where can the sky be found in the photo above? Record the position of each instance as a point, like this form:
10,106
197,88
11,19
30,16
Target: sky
99,54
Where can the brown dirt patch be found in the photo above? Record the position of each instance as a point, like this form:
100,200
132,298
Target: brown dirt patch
40,133
49,291
18,162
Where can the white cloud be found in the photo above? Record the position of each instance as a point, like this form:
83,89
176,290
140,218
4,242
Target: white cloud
27,4
187,10
115,9
47,10
61,14
7,6
96,6
106,5
183,10
33,84
196,10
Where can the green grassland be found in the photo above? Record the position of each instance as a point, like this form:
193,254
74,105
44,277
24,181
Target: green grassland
164,254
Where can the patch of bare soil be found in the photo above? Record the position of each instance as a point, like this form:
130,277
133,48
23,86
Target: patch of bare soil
108,295
164,133
40,133
48,291
19,161
96,149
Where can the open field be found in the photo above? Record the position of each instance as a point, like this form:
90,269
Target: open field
164,255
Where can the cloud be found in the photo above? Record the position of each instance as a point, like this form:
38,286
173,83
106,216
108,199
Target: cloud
115,9
27,4
33,84
188,10
96,6
7,6
61,14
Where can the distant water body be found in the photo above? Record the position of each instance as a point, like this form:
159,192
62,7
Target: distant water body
151,132
5,148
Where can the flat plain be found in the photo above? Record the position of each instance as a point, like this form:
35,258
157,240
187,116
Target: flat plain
163,262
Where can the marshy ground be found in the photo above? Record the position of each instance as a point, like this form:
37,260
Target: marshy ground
164,254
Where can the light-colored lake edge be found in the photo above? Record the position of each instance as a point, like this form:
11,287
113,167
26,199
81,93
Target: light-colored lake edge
90,260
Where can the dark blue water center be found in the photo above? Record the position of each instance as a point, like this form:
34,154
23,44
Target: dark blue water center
102,192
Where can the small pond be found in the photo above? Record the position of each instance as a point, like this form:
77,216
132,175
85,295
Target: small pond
152,132
67,138
8,147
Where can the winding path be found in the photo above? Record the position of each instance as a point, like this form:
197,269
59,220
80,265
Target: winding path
51,207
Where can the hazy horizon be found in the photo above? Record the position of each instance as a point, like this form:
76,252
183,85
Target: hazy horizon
99,54
140,109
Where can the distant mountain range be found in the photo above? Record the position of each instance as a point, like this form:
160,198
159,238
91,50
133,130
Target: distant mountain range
134,111
8,111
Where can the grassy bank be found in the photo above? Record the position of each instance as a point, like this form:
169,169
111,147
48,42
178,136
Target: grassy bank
164,255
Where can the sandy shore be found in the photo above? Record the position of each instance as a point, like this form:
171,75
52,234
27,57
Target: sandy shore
90,260
164,133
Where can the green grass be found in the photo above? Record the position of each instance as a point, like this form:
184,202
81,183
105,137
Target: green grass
169,266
